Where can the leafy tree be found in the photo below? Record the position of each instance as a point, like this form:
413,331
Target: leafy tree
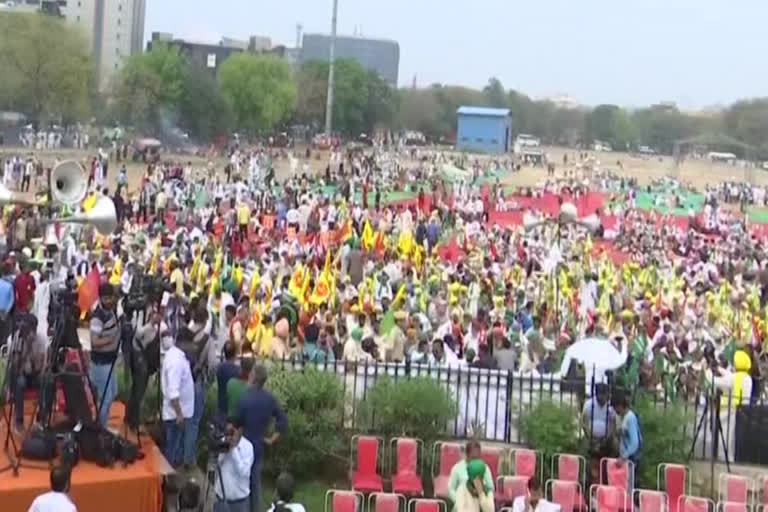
382,103
611,124
747,121
150,86
659,128
418,111
45,65
494,94
203,110
259,90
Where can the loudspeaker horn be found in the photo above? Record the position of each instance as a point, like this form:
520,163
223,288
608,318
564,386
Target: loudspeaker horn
68,183
102,216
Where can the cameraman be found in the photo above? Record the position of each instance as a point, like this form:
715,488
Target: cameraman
28,366
234,471
144,348
105,343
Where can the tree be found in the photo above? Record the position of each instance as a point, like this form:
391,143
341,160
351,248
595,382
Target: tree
259,90
203,110
149,88
611,124
659,127
747,121
382,103
46,67
418,110
494,94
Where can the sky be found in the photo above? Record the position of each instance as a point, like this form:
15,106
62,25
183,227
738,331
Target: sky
697,53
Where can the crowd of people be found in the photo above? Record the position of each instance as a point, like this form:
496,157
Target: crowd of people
250,263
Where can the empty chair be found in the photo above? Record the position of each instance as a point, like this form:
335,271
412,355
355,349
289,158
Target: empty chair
618,473
445,456
406,478
365,475
606,498
385,502
425,505
730,506
510,487
734,488
492,457
672,479
565,493
524,462
569,467
651,501
694,504
343,501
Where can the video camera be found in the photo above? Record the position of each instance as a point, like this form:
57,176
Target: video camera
145,290
218,439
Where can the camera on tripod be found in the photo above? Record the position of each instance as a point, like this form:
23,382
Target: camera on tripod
145,290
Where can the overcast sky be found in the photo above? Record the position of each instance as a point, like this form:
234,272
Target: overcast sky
698,53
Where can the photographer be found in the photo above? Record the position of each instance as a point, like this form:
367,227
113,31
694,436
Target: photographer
144,346
233,484
105,343
28,366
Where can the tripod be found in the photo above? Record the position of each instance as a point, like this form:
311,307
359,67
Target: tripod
711,413
212,471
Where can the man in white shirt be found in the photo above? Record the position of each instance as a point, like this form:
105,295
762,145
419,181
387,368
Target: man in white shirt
178,390
533,501
235,471
56,500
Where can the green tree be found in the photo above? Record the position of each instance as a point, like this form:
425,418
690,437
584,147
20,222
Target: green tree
660,128
382,103
747,121
611,124
494,94
149,87
203,110
260,91
46,67
418,110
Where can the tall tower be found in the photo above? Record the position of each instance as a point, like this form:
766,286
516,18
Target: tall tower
299,29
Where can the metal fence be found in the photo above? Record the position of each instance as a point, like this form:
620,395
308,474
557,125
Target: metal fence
490,403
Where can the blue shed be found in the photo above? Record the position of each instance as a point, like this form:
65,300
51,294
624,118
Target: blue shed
482,129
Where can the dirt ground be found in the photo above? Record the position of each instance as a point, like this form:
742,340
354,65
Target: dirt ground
646,169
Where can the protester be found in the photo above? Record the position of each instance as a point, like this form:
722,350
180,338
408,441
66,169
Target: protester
57,499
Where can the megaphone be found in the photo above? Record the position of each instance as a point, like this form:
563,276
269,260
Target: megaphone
102,216
68,183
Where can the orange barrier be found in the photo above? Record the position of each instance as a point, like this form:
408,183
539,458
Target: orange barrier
137,487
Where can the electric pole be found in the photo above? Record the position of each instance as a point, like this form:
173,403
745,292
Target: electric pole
331,59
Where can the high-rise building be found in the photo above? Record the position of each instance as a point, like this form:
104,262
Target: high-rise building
114,30
380,55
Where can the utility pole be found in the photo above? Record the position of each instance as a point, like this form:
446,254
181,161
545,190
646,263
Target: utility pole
331,59
299,28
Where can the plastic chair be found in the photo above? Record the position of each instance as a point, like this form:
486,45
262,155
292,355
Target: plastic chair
672,479
565,493
606,498
406,477
694,504
569,467
492,457
734,488
525,462
650,501
445,456
385,502
426,505
763,500
365,475
731,506
510,487
618,474
342,501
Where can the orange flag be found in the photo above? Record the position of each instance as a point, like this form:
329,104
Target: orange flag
88,292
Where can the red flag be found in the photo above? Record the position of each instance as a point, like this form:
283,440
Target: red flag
88,292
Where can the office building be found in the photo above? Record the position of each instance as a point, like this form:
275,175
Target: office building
380,55
484,130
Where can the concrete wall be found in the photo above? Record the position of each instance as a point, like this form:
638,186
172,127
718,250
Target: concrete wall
485,134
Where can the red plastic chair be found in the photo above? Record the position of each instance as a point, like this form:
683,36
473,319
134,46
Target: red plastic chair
426,505
445,456
565,493
343,501
672,479
510,487
365,475
650,501
730,506
695,504
569,467
734,488
492,457
385,502
606,498
406,478
525,462
764,490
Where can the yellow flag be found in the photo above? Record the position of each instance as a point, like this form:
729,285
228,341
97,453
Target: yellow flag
89,202
117,272
368,237
255,282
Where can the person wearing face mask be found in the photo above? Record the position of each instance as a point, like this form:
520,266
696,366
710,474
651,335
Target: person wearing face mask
178,390
57,499
532,500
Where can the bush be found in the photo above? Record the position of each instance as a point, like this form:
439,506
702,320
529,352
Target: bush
418,407
314,402
550,427
664,438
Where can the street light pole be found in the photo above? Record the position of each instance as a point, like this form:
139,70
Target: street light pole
331,65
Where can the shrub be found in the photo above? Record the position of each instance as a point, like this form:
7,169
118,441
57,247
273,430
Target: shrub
664,437
313,402
418,407
550,427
